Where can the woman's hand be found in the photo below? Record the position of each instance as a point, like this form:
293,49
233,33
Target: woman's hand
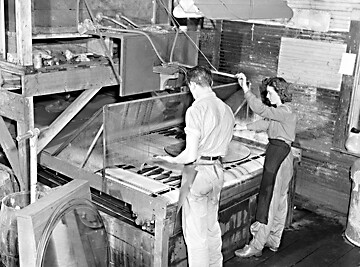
242,80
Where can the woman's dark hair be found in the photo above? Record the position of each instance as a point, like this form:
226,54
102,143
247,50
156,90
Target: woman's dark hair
280,86
200,75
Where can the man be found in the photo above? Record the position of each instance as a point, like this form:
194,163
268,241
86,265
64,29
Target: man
209,130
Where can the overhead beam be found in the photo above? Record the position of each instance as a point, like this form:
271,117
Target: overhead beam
64,118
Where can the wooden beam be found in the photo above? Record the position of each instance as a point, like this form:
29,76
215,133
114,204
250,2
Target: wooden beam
63,119
347,87
69,169
11,105
71,80
76,133
23,32
2,30
23,146
11,67
8,145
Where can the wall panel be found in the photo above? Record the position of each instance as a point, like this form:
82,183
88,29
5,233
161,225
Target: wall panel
309,62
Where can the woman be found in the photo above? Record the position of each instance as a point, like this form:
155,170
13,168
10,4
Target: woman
279,122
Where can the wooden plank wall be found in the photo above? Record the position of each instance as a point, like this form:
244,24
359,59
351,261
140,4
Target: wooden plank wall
255,48
311,62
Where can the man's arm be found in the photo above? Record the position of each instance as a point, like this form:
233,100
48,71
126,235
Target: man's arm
189,154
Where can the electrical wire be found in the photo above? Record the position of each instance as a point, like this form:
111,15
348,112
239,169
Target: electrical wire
172,18
128,21
106,50
119,30
173,46
100,16
191,40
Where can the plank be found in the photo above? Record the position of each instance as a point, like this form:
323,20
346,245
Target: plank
23,32
12,105
23,146
349,259
63,119
334,248
11,152
2,30
75,79
77,132
307,235
11,68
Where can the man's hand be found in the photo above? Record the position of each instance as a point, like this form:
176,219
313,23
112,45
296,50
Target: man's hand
164,158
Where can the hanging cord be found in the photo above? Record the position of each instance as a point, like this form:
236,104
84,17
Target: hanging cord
100,16
173,46
106,50
118,30
119,16
143,33
191,40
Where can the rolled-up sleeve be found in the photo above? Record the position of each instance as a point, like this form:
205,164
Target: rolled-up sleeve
191,122
276,114
258,126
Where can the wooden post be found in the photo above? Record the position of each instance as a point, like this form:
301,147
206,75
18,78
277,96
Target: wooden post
24,146
23,32
2,29
347,87
33,163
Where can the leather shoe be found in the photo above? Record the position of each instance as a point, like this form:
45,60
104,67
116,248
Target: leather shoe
248,251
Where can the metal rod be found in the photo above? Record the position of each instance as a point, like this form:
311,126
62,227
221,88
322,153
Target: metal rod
239,108
224,74
92,145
